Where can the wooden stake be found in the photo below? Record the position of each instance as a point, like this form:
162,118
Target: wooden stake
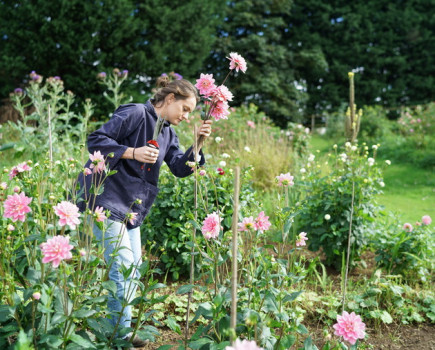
234,252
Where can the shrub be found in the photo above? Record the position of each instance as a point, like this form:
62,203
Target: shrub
326,209
47,119
406,249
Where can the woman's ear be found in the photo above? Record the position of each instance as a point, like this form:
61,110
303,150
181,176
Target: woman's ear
170,98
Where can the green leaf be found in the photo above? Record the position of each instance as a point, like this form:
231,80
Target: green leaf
6,312
173,325
288,340
79,340
52,340
302,329
185,289
83,313
292,296
197,344
386,317
165,347
110,286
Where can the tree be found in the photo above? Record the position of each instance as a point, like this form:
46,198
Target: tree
389,45
254,29
77,39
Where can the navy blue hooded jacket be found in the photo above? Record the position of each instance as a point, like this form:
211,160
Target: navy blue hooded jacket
132,125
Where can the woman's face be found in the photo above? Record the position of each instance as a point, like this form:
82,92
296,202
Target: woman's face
175,111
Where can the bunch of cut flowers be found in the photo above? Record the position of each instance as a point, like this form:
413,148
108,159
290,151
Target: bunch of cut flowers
216,97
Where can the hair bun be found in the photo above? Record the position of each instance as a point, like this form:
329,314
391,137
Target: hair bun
162,81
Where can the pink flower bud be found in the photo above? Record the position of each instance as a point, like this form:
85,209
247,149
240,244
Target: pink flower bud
36,295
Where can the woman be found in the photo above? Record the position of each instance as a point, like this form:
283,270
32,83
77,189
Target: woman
130,192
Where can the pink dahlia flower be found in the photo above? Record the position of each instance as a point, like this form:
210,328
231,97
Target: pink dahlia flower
131,217
222,93
262,222
301,239
247,224
205,84
220,110
211,226
243,345
407,227
87,171
20,168
98,165
99,214
17,206
426,220
68,214
251,124
237,62
56,249
285,180
350,327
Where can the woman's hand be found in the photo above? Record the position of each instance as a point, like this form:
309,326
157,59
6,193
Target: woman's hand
205,128
146,154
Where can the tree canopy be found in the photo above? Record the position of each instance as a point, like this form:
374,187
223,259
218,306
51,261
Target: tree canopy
298,51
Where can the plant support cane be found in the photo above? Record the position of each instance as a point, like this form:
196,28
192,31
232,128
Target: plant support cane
348,247
192,257
234,255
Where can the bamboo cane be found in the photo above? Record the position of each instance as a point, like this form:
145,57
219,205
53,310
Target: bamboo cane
234,252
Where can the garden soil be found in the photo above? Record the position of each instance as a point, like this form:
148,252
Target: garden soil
385,337
401,337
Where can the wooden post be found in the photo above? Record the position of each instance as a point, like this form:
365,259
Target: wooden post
234,252
192,257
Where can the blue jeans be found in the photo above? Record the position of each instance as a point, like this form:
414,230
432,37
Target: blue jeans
121,247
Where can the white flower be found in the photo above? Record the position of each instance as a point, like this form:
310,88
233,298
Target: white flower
327,217
311,157
303,171
247,149
354,148
223,163
299,126
371,161
348,144
375,147
382,184
218,139
343,157
307,130
335,146
388,162
225,155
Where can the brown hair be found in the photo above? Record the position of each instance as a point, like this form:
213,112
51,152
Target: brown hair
182,90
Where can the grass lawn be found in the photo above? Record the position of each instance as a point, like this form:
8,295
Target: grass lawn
409,192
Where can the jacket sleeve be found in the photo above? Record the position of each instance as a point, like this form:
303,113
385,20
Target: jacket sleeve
176,158
107,139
